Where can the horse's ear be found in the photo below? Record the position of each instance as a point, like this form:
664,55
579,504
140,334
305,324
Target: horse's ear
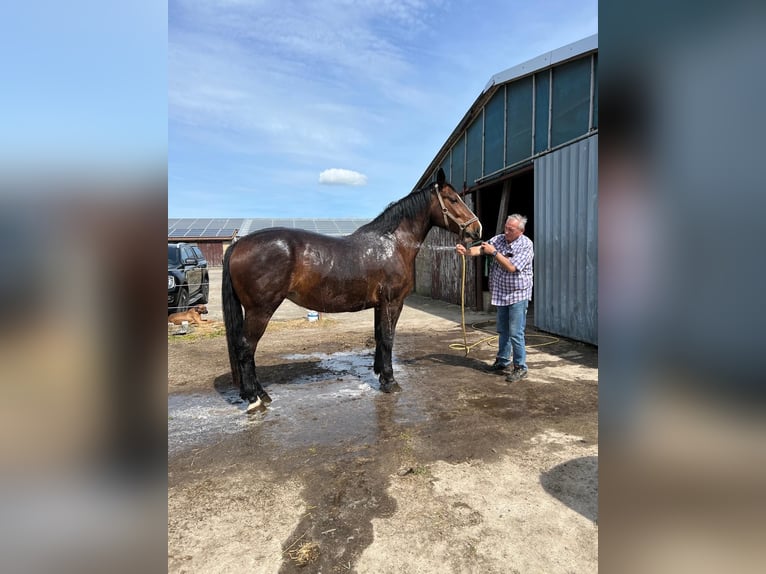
440,177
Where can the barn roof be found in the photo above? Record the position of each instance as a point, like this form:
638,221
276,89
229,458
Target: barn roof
184,229
544,61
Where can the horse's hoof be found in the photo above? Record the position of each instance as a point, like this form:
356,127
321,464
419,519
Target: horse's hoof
390,387
256,405
265,398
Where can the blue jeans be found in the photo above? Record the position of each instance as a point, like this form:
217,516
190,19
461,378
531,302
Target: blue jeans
511,322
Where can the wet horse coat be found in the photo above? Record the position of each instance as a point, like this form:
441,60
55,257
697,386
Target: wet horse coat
372,267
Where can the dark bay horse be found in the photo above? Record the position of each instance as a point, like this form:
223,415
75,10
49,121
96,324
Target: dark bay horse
372,267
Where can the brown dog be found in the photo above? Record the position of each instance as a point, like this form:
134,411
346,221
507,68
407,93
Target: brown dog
192,315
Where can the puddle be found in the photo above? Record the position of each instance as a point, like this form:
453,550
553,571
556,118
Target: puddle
340,400
356,364
196,419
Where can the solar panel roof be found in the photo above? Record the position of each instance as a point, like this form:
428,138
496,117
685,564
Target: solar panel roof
191,228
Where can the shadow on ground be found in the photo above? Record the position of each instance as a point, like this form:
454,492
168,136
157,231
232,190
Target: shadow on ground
575,483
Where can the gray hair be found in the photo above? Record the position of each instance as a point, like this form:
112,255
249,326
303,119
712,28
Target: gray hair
521,221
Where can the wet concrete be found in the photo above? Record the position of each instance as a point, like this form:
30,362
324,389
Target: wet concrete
348,445
340,387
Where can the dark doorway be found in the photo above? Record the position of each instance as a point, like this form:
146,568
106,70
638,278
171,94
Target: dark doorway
513,194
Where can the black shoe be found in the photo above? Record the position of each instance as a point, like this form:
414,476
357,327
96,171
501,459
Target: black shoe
516,375
499,368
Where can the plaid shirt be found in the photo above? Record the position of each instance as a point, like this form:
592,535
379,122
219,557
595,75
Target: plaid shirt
508,288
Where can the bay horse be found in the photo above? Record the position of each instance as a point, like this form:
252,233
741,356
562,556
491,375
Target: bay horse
372,267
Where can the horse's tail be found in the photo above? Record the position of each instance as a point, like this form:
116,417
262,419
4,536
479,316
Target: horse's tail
233,317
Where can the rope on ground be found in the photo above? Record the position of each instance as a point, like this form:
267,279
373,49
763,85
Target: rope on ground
466,347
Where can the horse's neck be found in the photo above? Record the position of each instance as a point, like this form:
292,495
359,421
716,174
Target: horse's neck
411,234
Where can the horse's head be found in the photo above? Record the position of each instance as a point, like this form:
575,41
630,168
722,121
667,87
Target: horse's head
455,214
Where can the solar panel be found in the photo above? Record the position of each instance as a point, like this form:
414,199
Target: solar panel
190,228
344,228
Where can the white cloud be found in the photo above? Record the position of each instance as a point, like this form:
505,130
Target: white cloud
337,176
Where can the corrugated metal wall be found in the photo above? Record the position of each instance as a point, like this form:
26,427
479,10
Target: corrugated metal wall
566,241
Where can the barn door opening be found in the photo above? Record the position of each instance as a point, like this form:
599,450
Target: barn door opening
514,193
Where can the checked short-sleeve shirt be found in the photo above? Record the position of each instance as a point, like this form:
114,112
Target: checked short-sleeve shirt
508,288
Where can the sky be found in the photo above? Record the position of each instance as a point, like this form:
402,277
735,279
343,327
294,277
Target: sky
84,89
333,109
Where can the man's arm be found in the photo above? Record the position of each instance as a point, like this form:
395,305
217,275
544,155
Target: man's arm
470,252
512,266
501,259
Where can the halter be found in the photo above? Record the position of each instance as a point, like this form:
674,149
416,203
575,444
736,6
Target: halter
447,214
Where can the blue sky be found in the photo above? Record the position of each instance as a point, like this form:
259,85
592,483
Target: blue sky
278,108
84,88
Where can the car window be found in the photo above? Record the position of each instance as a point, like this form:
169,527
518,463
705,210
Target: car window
174,255
187,253
198,253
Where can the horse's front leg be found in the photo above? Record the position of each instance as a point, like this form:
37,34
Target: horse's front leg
377,366
386,317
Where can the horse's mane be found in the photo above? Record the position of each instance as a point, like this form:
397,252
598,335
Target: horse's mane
408,207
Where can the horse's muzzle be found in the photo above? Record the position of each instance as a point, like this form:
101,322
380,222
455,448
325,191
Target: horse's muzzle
471,233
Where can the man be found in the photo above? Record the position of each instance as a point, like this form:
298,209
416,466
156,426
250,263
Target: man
510,284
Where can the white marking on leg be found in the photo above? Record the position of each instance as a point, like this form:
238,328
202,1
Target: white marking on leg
252,406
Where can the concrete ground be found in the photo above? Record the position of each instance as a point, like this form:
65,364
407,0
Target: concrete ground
458,472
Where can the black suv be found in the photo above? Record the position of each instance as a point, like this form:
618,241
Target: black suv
188,280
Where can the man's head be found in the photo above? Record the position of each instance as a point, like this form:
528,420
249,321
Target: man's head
514,227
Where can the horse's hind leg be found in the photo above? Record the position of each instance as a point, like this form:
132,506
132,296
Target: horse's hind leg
250,387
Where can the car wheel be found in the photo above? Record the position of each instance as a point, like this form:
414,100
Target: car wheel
183,300
205,292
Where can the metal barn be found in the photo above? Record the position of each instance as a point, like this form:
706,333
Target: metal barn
529,145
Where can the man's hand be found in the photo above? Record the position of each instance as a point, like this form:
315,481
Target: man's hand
487,249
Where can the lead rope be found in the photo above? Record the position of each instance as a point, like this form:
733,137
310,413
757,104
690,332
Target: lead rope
466,347
462,308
